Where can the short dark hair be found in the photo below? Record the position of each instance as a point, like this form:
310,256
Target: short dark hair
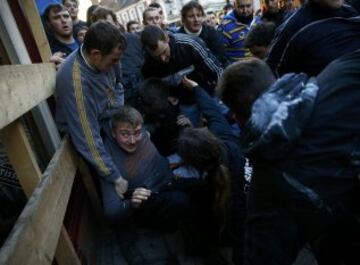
56,7
130,23
151,35
155,5
153,95
126,114
260,35
148,9
104,37
210,13
89,13
75,1
189,6
101,12
242,83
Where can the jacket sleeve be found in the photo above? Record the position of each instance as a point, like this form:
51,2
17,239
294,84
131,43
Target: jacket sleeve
217,47
277,47
217,123
206,60
81,115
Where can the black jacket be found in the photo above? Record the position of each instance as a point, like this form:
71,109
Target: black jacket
319,162
185,51
212,39
290,30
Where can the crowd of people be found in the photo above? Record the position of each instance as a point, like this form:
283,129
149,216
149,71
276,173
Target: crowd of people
244,130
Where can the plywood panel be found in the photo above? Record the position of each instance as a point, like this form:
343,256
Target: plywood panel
22,87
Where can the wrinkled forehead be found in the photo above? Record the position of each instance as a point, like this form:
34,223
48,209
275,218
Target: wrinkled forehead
58,11
127,126
73,2
152,13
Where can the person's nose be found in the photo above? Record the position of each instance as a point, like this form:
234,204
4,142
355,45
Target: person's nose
163,58
132,139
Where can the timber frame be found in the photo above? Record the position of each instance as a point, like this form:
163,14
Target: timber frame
38,235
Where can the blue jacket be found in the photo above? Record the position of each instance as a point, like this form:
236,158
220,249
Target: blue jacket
233,37
86,100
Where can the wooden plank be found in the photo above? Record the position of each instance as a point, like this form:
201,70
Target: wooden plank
21,156
64,254
34,238
22,87
32,14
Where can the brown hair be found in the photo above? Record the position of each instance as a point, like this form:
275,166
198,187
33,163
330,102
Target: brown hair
242,83
101,12
126,114
201,149
189,6
151,35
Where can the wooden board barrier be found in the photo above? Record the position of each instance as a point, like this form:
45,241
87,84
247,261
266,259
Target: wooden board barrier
34,238
22,87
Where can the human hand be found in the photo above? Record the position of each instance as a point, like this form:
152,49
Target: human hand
57,58
183,121
139,195
188,83
121,186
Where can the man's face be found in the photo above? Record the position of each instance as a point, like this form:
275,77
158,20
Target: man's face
103,63
193,20
162,52
134,28
152,17
127,136
211,20
244,7
60,22
72,7
81,35
272,6
162,17
330,4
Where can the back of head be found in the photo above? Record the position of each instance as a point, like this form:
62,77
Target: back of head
89,14
102,13
154,96
104,37
242,83
126,114
151,35
198,147
189,6
260,35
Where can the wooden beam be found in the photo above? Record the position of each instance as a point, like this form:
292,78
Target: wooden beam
21,156
65,255
33,17
34,238
22,87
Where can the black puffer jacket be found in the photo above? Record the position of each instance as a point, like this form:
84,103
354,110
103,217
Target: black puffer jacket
291,32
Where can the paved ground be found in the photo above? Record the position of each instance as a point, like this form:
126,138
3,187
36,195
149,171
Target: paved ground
150,248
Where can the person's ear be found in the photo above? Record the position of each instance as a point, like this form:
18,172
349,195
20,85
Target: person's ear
95,54
167,39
